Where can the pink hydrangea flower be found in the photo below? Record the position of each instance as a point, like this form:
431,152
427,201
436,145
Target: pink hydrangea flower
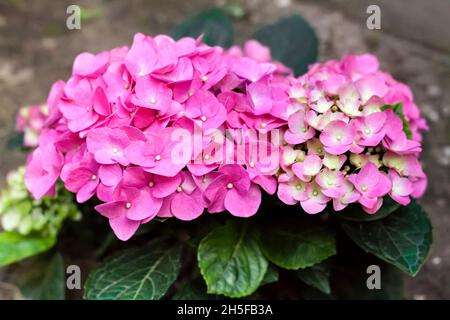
232,190
337,137
372,185
124,127
43,168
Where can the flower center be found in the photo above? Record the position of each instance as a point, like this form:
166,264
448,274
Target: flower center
151,184
204,78
330,183
203,118
206,157
152,100
338,137
298,187
364,188
251,164
179,189
315,193
128,205
230,185
157,157
141,74
94,177
366,130
263,125
115,150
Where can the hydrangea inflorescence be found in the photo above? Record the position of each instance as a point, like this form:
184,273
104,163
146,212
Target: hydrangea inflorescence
116,129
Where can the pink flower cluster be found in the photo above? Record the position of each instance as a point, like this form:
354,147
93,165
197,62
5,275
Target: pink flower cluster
345,143
110,133
30,121
110,126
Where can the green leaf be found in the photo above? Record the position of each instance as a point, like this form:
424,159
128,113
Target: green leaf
402,239
317,276
230,260
194,290
298,243
271,275
292,41
354,212
213,23
44,279
349,275
15,247
398,110
144,273
15,141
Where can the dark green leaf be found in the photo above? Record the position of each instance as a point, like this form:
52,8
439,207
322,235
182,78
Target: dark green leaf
270,276
213,23
350,275
196,290
15,247
354,212
317,276
136,274
298,243
44,279
230,260
403,238
15,141
291,41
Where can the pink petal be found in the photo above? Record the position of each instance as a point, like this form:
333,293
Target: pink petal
243,205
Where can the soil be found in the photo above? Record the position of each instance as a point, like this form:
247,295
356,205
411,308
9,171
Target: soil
37,49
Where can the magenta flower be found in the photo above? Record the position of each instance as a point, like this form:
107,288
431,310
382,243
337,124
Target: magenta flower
251,70
152,94
77,106
89,65
337,137
128,209
232,190
157,153
108,145
372,184
401,188
141,59
43,169
186,203
206,110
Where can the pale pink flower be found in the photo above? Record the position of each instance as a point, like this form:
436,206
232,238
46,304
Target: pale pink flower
337,137
308,168
316,201
401,188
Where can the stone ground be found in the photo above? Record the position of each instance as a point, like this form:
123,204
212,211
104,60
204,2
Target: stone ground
36,49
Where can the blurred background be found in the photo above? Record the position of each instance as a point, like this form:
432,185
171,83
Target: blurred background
413,44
